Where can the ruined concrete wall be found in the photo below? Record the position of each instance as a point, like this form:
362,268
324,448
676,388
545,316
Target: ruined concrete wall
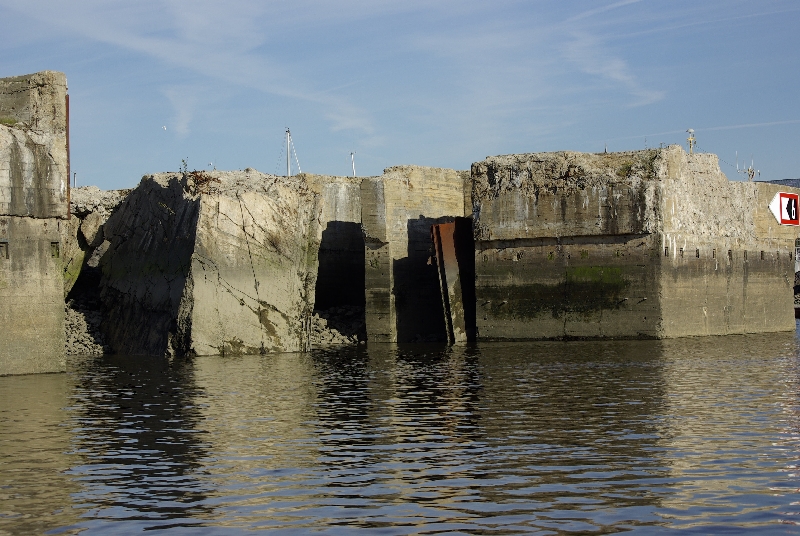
728,266
32,312
225,264
564,245
33,196
340,280
82,236
254,268
641,244
403,302
33,145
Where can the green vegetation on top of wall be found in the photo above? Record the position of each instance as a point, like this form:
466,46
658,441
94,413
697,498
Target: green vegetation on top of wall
8,121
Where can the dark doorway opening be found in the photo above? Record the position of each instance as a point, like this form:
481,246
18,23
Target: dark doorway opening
339,296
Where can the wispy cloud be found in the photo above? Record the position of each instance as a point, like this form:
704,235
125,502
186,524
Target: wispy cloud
602,9
709,129
210,38
590,55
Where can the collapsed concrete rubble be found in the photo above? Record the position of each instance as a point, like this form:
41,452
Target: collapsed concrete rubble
83,244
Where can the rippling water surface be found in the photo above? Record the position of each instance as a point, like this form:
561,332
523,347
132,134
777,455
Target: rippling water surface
648,436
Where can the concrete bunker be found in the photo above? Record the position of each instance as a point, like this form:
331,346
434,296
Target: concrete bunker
211,263
626,245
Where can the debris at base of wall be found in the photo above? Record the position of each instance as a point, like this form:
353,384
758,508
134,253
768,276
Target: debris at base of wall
338,326
82,327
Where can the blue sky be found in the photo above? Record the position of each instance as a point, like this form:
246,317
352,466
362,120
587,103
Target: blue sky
438,83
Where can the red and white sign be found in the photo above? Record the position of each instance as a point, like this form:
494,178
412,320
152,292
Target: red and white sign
786,208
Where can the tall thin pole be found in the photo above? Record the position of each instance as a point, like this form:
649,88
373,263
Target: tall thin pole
288,159
69,200
353,160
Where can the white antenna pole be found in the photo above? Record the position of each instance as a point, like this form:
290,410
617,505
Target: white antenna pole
353,161
288,158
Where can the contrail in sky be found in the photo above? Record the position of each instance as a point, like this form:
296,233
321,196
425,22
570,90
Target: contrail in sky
701,129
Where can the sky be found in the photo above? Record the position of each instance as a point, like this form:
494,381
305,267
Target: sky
437,82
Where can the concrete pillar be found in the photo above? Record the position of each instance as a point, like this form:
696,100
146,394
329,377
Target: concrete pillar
403,301
33,203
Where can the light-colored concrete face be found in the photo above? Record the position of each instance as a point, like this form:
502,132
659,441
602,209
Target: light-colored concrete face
728,266
229,269
253,272
403,301
33,199
31,293
33,145
649,244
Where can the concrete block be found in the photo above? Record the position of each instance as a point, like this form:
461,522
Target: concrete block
33,145
223,265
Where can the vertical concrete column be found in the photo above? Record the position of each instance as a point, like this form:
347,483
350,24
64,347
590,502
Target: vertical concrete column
379,300
33,186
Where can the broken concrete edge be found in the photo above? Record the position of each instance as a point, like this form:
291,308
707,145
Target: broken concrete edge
35,102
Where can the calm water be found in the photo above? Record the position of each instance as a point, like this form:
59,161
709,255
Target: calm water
694,434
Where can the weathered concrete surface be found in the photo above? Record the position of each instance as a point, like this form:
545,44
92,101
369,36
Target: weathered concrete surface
33,145
742,280
33,194
220,263
572,245
83,244
32,314
403,302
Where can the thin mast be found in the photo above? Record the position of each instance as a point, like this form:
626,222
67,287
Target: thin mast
353,160
288,159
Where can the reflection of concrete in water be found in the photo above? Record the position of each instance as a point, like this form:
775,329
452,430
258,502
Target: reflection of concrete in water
443,432
139,440
35,489
258,414
579,425
717,431
579,436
